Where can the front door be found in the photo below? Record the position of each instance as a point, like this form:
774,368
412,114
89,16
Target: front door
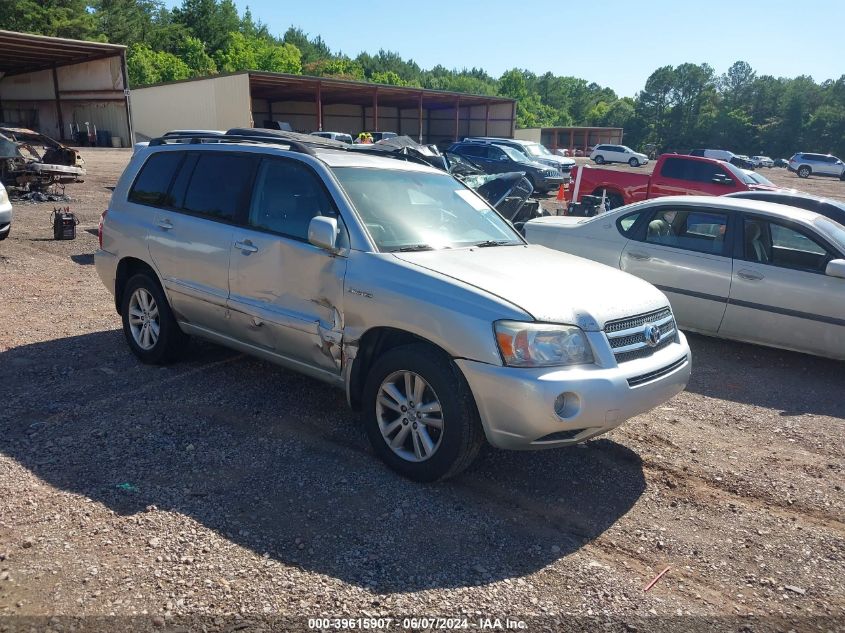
780,295
684,253
287,295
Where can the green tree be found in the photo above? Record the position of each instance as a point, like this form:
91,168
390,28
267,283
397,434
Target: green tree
253,53
192,52
146,66
127,21
58,18
212,21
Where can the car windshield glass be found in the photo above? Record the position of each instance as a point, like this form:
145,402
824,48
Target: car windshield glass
533,150
738,173
831,229
513,154
753,178
411,210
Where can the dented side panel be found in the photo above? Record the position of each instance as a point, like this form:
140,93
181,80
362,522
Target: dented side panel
287,297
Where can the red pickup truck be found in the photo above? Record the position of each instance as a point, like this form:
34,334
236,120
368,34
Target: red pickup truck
673,175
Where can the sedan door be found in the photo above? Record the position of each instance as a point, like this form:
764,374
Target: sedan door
286,294
684,252
780,295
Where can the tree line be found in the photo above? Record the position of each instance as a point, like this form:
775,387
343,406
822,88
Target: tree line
678,108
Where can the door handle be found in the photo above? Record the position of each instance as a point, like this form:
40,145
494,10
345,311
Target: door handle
165,224
749,275
643,257
246,246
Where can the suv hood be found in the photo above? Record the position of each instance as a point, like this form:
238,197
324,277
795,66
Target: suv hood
549,285
558,160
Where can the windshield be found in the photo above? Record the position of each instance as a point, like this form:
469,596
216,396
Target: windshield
753,178
514,154
410,210
833,230
532,149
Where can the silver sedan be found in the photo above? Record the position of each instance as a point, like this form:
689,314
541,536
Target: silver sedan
740,269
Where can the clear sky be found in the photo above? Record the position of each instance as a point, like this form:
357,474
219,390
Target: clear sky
616,43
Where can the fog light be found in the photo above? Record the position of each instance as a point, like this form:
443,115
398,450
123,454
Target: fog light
567,405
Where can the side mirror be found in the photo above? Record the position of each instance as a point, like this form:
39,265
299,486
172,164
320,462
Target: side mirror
322,233
722,179
835,268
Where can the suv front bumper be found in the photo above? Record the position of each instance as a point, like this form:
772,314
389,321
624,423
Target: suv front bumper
517,405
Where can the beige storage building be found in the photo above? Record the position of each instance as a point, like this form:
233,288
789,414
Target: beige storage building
309,104
57,85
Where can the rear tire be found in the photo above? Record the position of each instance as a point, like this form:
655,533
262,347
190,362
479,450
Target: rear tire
804,171
149,326
599,160
634,162
449,419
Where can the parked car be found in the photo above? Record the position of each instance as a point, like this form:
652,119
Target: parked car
380,136
390,280
534,151
343,137
673,174
496,159
741,161
833,209
781,162
617,154
5,213
805,164
740,269
762,161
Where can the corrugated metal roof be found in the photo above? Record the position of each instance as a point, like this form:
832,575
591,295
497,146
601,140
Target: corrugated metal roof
24,53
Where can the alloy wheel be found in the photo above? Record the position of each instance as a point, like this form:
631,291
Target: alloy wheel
144,319
409,416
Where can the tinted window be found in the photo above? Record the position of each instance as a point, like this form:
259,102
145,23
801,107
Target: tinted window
673,168
702,231
784,246
703,172
152,184
219,185
287,195
473,150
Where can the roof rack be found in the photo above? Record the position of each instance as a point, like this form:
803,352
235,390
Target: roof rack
294,141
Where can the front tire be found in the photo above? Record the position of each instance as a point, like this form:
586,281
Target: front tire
599,160
634,162
804,171
419,414
148,323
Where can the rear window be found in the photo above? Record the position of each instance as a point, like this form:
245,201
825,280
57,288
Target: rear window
153,182
219,185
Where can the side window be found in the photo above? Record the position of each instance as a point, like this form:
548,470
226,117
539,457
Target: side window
626,223
472,150
219,185
153,182
673,168
287,195
704,172
701,231
494,153
781,245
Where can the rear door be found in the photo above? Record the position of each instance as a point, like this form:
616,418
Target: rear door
287,295
780,295
684,252
191,237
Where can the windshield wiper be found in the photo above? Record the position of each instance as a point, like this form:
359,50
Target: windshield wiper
487,243
412,247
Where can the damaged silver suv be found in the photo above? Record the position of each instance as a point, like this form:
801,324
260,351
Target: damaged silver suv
391,280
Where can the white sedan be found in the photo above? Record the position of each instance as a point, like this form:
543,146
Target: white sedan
739,269
762,161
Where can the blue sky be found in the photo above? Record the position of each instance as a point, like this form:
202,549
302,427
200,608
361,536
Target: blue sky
614,43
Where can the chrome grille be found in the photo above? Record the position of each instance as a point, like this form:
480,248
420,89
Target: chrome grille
627,336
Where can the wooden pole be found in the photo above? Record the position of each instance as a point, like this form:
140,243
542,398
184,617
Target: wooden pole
58,104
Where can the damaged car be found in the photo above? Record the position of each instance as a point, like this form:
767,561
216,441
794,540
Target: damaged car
390,280
31,161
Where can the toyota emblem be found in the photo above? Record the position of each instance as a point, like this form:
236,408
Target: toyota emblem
652,335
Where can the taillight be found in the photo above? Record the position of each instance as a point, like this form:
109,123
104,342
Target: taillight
100,228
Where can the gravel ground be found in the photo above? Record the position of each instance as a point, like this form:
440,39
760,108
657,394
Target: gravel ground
224,493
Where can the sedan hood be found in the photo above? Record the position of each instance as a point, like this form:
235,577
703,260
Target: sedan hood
551,286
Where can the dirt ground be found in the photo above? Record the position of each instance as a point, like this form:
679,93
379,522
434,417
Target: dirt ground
223,493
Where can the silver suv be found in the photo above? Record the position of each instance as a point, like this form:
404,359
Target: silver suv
390,280
804,164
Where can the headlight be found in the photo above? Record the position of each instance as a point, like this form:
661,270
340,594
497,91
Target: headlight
541,344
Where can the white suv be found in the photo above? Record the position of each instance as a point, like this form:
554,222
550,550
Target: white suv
805,164
617,154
